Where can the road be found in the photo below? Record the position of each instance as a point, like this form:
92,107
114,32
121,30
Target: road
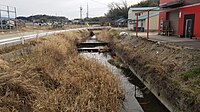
14,39
177,41
18,34
174,40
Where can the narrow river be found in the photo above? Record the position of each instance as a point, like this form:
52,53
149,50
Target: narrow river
137,97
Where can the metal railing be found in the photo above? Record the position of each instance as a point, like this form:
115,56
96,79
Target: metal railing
23,39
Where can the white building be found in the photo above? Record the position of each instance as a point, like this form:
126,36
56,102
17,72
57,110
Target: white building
142,19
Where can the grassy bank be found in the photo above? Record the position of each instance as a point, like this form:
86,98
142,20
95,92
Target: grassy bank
172,71
54,78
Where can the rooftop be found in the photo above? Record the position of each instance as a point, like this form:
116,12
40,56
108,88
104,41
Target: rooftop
144,8
146,16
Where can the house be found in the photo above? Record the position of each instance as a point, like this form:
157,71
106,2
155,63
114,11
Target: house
77,21
7,23
143,18
121,22
180,17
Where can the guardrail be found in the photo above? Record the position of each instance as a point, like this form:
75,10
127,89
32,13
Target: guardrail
99,28
22,39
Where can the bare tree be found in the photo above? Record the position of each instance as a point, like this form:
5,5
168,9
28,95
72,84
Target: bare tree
118,10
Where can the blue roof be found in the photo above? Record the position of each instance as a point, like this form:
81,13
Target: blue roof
146,16
144,8
121,20
143,17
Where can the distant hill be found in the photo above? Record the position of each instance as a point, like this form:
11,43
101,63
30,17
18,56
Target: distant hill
44,18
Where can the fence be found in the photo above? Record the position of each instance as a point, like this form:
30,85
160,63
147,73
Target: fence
8,15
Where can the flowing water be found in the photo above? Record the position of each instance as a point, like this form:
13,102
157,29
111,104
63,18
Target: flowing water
137,97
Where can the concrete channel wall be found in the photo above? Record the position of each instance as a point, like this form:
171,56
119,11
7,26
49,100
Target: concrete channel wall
161,98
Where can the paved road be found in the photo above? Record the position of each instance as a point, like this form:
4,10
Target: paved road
18,34
10,40
14,39
183,42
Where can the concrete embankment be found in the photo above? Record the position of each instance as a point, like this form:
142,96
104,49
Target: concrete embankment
171,73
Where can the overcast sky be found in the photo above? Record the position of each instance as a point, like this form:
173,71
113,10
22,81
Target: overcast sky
68,8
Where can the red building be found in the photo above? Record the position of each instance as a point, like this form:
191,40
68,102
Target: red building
182,17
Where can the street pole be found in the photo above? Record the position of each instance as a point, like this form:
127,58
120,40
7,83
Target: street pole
81,11
148,22
137,25
87,11
9,17
81,15
1,22
16,19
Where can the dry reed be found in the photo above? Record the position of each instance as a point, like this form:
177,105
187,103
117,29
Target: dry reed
54,78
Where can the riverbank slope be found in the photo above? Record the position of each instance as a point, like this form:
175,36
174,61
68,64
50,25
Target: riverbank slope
172,73
50,76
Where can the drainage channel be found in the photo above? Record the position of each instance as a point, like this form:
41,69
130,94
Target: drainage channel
137,97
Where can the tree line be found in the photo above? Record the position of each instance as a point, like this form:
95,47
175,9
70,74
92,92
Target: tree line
120,10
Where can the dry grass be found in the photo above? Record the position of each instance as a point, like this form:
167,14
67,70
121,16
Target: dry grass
4,65
108,36
54,78
162,66
35,28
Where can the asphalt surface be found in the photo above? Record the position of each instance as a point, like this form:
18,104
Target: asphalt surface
18,34
182,42
10,40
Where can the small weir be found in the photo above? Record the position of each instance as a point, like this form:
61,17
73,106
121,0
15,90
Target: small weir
137,97
92,45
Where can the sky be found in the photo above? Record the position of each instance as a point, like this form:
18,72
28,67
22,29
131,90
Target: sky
67,8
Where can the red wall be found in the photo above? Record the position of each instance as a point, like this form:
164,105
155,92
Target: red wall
162,16
190,10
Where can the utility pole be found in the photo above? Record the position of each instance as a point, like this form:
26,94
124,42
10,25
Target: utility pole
81,12
87,11
16,21
9,18
81,15
1,22
148,24
137,24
